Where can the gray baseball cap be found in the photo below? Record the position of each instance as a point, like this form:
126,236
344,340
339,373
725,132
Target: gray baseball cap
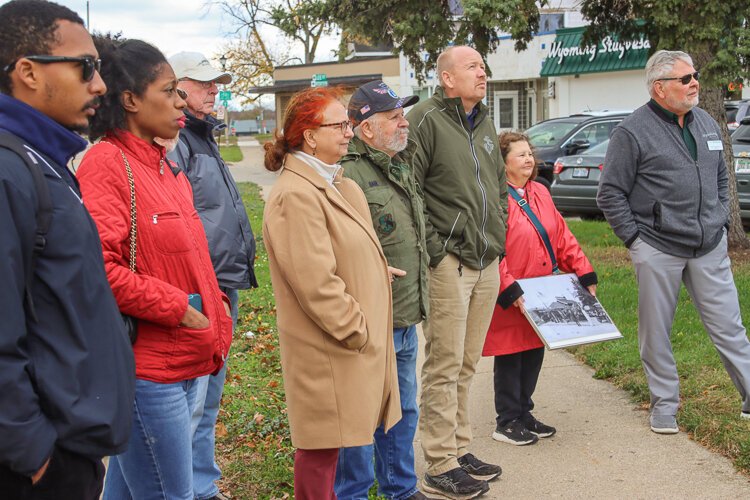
195,66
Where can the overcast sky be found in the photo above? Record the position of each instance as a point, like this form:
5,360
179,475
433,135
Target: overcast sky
170,25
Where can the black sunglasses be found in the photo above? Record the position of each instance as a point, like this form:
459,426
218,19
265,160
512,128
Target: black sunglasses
683,79
88,63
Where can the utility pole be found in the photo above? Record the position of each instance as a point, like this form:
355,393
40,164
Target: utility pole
88,21
223,61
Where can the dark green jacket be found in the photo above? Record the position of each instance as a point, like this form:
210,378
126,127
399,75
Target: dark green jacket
462,175
398,217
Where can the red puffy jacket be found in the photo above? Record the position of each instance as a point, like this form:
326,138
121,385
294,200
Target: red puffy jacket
527,257
172,258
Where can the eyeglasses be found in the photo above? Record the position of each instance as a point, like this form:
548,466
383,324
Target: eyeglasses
88,63
342,125
683,79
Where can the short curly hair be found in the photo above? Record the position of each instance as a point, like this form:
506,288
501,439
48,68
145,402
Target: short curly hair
507,138
29,27
127,64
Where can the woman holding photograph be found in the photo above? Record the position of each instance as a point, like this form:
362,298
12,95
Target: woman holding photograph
535,228
333,294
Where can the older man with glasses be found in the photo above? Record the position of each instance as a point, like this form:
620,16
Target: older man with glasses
230,237
665,192
378,161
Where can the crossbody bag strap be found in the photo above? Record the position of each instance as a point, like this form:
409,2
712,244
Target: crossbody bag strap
133,212
537,225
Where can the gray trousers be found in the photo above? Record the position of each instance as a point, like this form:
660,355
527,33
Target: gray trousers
710,283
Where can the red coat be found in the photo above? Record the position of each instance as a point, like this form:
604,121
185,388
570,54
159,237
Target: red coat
527,257
172,258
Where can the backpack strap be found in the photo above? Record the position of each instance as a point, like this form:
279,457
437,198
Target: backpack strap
537,225
43,209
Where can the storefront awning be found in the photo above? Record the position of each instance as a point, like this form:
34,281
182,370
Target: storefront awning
566,55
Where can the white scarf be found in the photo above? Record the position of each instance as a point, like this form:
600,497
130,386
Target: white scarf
326,171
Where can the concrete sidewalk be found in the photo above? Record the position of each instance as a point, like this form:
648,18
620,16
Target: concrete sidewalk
603,448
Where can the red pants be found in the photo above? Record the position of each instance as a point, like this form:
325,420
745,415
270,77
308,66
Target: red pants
314,474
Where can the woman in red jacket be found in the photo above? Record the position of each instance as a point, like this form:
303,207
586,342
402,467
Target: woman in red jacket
179,338
511,339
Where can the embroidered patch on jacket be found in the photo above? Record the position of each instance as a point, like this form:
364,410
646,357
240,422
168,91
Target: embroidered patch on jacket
488,145
386,224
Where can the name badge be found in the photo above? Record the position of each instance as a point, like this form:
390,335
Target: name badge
715,145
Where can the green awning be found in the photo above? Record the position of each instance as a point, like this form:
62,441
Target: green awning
566,55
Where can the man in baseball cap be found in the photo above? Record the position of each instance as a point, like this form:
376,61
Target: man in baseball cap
379,162
230,238
376,97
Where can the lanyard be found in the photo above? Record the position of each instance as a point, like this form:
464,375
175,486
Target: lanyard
537,225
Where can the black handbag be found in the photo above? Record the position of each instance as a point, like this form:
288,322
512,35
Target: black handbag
131,323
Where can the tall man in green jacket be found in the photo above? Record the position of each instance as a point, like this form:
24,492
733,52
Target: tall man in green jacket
378,160
458,165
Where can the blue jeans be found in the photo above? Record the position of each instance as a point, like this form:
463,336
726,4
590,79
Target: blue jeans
203,425
394,451
158,461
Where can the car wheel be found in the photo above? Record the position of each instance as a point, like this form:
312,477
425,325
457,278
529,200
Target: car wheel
544,182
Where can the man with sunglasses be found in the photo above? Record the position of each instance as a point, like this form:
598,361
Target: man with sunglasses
230,237
665,191
66,365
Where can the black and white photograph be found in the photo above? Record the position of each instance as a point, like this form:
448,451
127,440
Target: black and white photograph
564,313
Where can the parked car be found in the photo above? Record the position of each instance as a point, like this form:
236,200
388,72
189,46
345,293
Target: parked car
736,112
577,181
741,149
569,136
577,177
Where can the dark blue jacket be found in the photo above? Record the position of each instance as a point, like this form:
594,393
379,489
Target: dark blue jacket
218,203
66,379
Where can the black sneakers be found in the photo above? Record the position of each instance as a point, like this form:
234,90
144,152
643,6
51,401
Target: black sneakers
537,428
455,484
514,432
478,469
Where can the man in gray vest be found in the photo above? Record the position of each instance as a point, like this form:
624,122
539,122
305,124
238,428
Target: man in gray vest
378,161
230,237
665,193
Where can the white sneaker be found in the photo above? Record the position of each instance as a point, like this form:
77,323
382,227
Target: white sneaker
665,424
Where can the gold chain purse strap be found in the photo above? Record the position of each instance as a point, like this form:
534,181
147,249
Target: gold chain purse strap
133,213
133,218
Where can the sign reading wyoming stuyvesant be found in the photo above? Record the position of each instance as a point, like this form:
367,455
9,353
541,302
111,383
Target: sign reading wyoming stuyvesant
567,55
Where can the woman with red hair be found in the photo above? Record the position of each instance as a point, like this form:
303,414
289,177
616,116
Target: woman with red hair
333,294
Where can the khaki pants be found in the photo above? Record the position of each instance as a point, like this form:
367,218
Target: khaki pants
460,313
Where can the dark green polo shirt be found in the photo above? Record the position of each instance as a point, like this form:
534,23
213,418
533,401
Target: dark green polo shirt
687,136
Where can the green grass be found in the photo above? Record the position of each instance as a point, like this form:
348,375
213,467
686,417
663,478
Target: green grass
261,138
231,153
253,444
710,404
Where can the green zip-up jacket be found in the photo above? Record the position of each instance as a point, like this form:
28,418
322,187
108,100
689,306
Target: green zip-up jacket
462,176
398,217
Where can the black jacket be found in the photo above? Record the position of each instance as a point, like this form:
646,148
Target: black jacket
218,203
66,379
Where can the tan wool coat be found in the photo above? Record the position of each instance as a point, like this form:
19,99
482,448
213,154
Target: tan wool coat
333,304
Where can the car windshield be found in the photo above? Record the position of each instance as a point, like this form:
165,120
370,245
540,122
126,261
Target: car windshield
599,149
741,135
732,114
549,133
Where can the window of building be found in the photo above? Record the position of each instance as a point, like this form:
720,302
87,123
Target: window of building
551,22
